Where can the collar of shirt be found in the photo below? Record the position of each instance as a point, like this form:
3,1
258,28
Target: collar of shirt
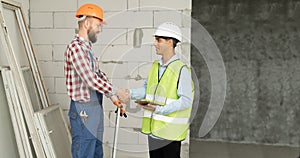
163,67
175,57
85,43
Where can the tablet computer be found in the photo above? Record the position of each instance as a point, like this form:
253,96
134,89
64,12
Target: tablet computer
144,102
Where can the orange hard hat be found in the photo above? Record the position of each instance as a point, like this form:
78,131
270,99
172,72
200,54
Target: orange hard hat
90,10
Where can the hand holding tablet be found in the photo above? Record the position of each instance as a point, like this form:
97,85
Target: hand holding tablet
144,102
147,105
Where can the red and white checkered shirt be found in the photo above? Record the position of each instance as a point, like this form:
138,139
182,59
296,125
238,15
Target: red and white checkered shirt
80,77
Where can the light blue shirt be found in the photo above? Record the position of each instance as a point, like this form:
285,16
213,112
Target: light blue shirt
184,91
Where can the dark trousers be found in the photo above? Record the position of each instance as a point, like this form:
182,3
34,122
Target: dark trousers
163,148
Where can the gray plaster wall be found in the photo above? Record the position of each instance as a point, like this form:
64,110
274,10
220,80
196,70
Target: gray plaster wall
260,44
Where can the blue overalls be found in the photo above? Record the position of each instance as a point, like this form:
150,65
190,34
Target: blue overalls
87,136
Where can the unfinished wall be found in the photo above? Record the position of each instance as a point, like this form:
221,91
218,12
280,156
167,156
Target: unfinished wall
52,26
259,43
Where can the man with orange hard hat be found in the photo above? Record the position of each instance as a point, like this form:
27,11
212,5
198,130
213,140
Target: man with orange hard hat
86,85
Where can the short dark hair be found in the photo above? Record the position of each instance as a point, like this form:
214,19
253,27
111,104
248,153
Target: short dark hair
175,41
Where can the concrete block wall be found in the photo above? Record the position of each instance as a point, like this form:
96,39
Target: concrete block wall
52,26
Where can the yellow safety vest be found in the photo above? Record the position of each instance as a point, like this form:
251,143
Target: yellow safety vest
173,126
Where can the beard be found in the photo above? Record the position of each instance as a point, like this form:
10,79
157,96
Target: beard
92,35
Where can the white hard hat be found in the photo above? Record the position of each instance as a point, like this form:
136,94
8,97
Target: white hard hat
169,29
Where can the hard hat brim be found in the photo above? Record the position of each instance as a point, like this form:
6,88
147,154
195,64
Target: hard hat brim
101,20
104,22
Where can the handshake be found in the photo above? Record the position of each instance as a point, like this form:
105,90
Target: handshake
120,99
123,94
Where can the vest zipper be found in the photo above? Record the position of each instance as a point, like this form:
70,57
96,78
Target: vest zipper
158,81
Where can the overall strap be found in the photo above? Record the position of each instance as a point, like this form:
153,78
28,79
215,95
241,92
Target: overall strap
92,59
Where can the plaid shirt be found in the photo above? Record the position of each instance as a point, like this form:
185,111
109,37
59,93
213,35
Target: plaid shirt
80,76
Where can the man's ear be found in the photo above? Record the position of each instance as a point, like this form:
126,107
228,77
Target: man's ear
87,23
170,42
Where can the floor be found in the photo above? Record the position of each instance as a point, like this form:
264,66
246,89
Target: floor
200,149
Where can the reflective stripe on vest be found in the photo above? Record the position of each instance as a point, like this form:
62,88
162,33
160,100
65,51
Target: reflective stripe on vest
159,98
167,119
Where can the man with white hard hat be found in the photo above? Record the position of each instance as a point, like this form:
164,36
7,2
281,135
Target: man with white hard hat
168,92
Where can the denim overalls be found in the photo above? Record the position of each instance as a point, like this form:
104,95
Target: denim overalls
87,136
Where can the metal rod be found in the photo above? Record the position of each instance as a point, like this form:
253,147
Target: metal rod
116,132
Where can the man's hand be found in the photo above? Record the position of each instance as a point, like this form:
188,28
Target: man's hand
123,106
117,102
114,98
123,94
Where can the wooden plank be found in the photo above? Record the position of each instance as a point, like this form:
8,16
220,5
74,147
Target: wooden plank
54,128
22,45
32,89
8,145
13,117
18,115
20,84
32,60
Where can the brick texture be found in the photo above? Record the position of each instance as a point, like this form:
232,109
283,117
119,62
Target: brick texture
53,26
